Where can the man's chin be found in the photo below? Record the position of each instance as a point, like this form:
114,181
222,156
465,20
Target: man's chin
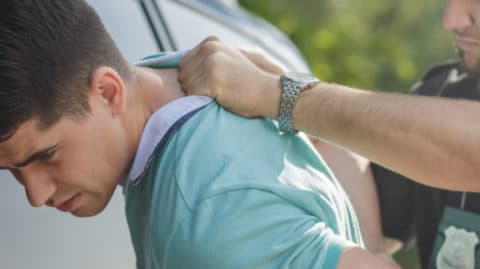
471,67
84,212
92,205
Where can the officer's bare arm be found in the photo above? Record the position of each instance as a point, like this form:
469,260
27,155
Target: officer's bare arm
432,140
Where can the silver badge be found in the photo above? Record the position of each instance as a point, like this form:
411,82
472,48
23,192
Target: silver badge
458,249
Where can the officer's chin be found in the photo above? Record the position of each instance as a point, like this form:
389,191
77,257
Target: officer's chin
469,65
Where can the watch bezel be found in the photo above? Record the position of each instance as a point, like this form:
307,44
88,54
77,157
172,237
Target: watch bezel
303,78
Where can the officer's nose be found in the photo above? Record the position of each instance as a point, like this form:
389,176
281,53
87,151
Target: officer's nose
457,15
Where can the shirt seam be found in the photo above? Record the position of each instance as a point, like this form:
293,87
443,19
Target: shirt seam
336,241
175,178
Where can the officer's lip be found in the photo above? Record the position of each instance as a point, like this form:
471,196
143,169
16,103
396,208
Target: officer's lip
466,42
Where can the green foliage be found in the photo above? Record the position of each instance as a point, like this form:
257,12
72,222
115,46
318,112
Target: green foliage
372,44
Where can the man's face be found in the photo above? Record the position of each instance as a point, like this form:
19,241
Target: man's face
462,18
74,166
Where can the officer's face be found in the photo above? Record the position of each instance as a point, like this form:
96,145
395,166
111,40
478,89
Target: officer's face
462,18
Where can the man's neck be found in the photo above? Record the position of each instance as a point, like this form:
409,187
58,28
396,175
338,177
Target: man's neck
148,91
157,87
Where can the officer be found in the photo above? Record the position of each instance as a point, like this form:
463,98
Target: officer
411,210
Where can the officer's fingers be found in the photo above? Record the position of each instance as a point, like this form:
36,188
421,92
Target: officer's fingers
191,65
196,76
190,62
200,56
190,76
192,85
199,52
211,38
185,76
262,61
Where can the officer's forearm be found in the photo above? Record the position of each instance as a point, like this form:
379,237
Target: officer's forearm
432,140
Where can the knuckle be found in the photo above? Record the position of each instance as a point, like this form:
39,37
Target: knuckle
212,61
251,52
210,47
212,38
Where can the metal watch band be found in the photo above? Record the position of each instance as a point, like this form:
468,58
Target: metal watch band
289,94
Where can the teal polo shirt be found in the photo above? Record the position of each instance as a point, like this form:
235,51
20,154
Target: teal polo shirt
221,191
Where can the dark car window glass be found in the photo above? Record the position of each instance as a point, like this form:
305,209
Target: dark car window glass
126,23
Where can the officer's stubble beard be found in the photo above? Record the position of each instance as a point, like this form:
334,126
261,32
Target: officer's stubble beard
471,69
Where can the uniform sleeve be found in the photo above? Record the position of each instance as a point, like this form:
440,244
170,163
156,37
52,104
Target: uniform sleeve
253,229
396,195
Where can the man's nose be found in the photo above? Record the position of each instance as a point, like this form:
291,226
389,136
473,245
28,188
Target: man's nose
39,186
457,15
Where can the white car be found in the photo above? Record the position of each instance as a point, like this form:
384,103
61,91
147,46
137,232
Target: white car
44,238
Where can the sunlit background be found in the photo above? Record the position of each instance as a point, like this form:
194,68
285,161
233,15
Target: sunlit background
373,44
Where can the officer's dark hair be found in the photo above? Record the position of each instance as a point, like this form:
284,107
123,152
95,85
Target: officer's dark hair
48,51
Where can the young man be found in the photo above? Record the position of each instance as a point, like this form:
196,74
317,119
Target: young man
204,188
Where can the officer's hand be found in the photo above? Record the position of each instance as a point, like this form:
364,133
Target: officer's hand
246,84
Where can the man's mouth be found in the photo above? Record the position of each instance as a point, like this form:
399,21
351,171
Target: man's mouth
467,43
70,204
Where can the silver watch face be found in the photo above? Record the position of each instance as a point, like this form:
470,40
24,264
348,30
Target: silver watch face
301,77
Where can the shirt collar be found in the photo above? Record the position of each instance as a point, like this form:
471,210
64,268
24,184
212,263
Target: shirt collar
158,126
164,59
162,121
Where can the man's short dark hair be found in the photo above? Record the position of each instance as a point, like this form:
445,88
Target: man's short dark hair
48,50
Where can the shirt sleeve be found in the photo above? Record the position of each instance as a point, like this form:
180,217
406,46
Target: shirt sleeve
253,229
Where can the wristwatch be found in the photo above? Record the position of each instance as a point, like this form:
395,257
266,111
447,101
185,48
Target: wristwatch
291,84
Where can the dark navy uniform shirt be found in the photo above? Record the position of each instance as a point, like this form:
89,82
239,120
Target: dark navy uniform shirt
410,210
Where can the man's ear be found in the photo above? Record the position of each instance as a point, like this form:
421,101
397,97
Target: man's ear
107,86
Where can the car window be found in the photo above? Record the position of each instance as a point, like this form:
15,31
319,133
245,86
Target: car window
191,21
126,23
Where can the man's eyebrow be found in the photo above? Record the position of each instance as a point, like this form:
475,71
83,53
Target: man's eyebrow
35,156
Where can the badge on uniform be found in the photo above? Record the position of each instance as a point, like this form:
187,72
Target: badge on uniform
456,243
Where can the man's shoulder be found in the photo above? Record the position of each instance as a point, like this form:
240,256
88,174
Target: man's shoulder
436,77
221,150
216,128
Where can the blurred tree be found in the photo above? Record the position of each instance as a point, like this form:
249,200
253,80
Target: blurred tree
373,44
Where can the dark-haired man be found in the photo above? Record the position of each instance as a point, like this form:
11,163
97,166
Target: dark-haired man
204,188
